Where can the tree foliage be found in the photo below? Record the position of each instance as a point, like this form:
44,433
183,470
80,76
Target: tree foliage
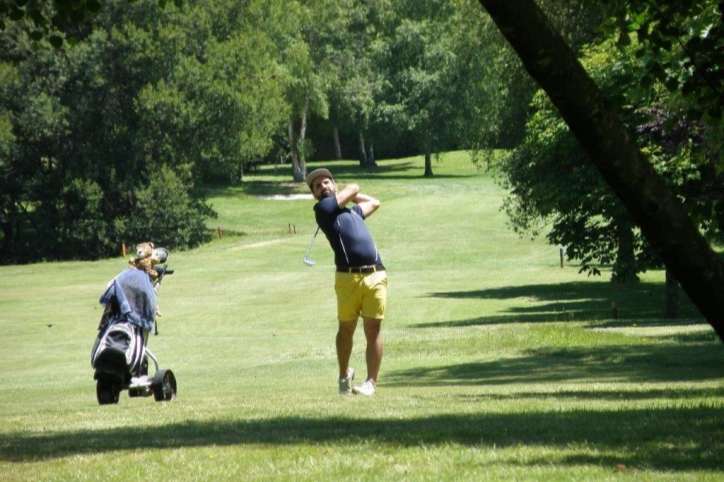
553,185
200,91
146,92
609,144
680,44
552,180
53,20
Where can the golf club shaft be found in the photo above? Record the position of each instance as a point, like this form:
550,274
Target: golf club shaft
312,243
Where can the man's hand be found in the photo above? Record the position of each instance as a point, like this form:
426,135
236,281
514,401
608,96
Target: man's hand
348,194
367,203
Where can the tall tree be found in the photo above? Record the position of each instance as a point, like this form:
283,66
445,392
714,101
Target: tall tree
551,181
613,151
145,97
356,80
304,73
429,76
220,103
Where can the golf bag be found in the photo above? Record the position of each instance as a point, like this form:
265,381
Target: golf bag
119,356
118,352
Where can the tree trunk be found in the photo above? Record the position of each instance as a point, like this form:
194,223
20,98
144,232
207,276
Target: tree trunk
612,149
296,145
294,151
624,268
337,145
366,156
7,241
371,162
362,151
428,163
672,297
301,145
237,175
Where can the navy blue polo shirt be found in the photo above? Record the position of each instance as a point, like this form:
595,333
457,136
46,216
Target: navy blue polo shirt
347,234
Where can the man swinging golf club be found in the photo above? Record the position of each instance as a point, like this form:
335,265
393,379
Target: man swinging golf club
360,280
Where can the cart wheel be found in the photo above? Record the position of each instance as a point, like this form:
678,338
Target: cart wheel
107,393
164,386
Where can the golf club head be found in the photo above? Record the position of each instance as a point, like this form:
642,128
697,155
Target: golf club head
308,262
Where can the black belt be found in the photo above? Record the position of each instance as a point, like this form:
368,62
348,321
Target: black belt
362,269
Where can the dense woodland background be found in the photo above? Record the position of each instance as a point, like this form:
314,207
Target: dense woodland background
115,115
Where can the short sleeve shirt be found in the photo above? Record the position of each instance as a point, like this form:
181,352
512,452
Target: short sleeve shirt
347,234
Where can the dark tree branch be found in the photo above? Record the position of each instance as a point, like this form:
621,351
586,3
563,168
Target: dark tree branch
595,124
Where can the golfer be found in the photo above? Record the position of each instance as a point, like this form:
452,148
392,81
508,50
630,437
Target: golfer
360,281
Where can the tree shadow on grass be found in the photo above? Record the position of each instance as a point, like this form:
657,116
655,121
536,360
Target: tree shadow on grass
342,172
406,171
609,364
674,439
571,302
684,436
256,188
282,183
680,395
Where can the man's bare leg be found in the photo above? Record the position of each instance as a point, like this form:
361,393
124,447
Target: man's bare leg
373,354
344,342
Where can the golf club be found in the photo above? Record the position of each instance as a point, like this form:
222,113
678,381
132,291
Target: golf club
307,261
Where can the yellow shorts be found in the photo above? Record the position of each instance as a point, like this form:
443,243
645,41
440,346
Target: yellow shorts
361,295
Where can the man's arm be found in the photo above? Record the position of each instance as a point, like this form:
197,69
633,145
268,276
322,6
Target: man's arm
351,193
367,203
348,194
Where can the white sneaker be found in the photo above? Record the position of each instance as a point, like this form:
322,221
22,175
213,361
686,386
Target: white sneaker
367,388
345,384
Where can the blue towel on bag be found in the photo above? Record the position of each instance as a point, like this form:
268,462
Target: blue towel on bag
133,291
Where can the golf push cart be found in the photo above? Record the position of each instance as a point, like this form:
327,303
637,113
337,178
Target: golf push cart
120,356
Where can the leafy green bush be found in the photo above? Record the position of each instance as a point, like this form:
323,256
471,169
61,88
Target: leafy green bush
168,212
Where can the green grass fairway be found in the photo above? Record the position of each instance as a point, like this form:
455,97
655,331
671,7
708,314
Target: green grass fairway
499,364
